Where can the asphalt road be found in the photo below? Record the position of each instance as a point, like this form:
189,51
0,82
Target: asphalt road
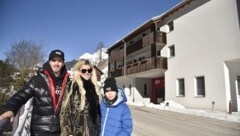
153,122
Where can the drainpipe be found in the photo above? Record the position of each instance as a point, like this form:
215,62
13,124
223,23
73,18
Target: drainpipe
125,59
125,55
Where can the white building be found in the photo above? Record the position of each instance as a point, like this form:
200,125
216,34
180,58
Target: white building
204,69
202,52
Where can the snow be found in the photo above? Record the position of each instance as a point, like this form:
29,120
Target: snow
94,58
86,56
176,107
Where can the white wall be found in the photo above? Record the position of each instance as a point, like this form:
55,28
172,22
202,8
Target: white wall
136,94
126,81
204,38
139,96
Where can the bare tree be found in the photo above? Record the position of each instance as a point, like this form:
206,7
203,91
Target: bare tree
25,55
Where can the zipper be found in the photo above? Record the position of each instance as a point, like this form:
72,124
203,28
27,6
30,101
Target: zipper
105,120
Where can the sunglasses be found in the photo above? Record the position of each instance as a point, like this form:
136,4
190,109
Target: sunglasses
86,70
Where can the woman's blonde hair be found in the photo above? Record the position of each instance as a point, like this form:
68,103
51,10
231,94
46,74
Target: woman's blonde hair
76,78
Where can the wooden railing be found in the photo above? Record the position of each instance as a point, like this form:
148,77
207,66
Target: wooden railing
147,64
148,40
161,37
141,66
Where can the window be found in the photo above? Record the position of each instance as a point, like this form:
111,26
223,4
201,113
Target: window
145,89
135,60
171,51
199,86
121,47
170,27
112,67
130,89
238,85
180,87
119,64
158,53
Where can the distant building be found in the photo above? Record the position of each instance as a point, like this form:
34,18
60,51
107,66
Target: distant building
190,54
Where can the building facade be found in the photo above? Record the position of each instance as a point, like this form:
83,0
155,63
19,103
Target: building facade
190,54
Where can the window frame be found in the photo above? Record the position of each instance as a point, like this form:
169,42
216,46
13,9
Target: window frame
124,89
145,90
170,27
180,87
130,89
198,81
171,51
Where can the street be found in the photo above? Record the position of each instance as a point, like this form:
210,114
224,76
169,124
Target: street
153,122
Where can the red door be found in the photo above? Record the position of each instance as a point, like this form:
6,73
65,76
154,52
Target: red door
158,90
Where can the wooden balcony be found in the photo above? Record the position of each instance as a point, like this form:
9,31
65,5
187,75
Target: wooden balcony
153,37
117,55
141,66
147,64
161,37
143,44
134,47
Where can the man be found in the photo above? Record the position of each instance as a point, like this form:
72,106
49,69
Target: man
46,89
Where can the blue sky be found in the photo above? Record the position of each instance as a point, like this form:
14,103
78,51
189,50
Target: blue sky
74,26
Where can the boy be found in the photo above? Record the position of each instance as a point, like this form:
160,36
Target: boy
116,117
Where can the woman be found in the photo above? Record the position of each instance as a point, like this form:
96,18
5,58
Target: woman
80,113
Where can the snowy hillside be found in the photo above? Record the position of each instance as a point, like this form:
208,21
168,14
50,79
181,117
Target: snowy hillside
96,57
